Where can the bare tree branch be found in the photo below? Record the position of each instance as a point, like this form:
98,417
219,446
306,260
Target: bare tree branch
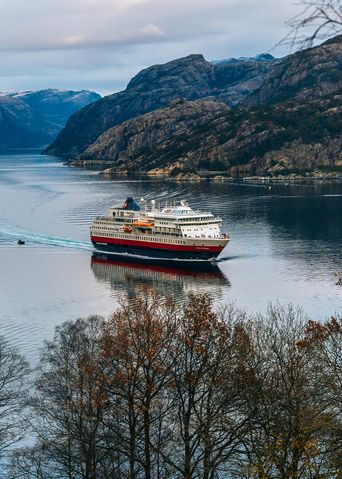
318,21
13,374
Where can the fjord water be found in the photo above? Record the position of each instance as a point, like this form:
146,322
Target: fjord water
286,246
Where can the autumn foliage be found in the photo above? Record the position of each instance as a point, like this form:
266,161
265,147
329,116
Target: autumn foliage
166,389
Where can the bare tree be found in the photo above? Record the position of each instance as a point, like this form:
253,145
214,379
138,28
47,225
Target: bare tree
30,463
317,21
137,345
70,402
204,413
283,402
324,342
13,375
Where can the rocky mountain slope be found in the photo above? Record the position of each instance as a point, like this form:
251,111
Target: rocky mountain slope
19,126
33,118
303,76
155,87
123,144
290,123
281,139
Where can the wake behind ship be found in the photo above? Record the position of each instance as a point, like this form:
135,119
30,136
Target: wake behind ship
174,232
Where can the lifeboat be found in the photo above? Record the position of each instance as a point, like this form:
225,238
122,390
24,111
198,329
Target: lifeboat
126,229
143,224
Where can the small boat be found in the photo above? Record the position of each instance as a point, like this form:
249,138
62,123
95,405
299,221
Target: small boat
20,241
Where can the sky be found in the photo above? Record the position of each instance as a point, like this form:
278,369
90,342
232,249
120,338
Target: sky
100,44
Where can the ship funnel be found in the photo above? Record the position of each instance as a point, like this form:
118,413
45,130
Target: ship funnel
131,205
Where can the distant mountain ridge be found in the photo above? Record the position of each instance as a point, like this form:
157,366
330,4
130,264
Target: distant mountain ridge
263,57
277,116
34,118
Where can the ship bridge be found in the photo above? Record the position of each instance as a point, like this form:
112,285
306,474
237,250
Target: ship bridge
189,223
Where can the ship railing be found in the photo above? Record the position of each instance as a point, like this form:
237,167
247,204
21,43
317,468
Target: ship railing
104,218
159,207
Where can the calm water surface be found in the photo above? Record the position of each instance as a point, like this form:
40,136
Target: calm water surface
286,246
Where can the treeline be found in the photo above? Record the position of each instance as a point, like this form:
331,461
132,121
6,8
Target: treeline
165,389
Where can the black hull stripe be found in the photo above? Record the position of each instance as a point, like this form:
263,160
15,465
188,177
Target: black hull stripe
155,253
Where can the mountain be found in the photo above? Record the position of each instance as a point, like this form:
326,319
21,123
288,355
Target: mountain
19,126
289,122
33,118
191,78
57,105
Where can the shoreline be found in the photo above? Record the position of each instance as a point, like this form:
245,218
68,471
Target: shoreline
106,170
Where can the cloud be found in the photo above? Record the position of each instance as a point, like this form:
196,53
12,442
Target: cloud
151,30
47,42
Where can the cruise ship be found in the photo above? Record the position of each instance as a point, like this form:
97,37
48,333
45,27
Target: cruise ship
174,231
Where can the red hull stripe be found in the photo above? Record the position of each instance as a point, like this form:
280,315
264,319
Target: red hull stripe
159,269
147,244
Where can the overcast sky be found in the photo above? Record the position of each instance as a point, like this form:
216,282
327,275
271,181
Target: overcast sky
101,44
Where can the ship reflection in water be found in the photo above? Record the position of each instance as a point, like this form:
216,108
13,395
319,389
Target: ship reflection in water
131,277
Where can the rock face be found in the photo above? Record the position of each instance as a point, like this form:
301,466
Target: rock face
190,78
282,139
124,144
238,78
305,75
33,118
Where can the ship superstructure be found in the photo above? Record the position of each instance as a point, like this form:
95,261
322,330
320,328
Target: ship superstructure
172,231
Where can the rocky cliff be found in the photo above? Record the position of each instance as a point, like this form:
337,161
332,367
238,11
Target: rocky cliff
34,118
155,87
122,145
303,76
